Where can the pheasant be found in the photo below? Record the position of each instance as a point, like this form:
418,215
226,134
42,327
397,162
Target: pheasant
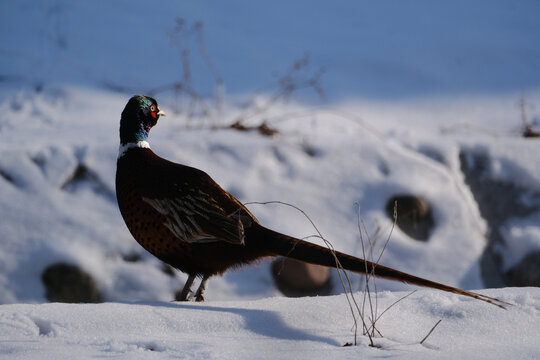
184,218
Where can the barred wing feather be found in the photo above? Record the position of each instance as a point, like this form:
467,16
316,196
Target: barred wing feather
198,219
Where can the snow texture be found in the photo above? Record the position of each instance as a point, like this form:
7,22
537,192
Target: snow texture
274,328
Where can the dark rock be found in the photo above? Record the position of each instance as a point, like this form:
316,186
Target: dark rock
498,201
526,272
295,278
69,284
414,215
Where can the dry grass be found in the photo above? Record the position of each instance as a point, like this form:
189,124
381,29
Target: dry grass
365,314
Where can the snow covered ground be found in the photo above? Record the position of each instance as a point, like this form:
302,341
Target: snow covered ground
274,328
408,89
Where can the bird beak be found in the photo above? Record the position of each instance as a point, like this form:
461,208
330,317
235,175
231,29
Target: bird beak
161,112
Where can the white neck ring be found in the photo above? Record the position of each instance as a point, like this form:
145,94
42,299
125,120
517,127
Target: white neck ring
125,147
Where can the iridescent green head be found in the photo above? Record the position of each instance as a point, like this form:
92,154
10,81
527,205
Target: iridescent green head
139,116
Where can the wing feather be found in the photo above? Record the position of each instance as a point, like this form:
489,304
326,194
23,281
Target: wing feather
198,220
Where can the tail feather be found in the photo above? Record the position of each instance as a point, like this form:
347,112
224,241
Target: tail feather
280,244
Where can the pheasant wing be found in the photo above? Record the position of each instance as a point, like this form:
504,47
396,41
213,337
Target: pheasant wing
196,209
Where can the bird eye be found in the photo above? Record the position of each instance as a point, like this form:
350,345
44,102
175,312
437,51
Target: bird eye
152,107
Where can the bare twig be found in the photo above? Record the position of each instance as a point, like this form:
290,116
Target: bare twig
287,84
430,331
349,295
523,108
366,291
393,304
528,131
369,275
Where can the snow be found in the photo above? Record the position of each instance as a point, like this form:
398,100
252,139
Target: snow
275,328
409,89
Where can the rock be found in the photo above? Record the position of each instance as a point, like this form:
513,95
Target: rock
295,278
414,215
526,272
500,201
69,284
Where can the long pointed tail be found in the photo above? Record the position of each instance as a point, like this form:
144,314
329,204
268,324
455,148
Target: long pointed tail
280,244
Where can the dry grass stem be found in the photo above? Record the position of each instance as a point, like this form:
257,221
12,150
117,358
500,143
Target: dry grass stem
343,276
430,331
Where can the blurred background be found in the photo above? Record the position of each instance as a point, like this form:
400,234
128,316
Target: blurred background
337,108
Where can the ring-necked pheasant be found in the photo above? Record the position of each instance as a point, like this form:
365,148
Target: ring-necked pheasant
180,215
